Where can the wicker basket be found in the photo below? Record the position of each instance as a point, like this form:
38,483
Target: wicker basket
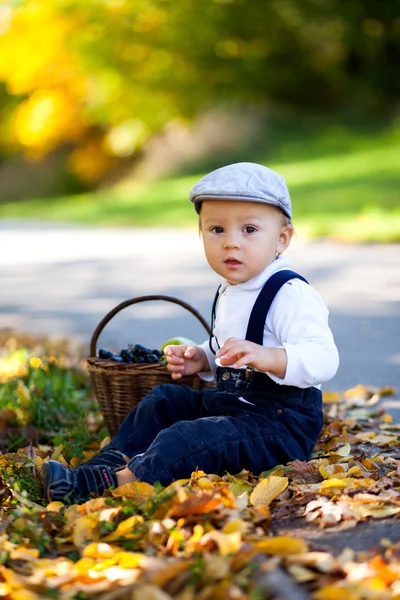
119,387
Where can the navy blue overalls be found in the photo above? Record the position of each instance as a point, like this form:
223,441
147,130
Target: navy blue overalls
175,429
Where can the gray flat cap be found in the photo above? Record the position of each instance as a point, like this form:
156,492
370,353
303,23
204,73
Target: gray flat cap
244,182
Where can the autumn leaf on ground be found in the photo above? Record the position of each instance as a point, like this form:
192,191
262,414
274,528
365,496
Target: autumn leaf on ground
195,504
303,472
268,489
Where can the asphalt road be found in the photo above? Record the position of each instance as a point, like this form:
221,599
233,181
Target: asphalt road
61,280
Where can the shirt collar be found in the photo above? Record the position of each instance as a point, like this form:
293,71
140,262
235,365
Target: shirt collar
282,262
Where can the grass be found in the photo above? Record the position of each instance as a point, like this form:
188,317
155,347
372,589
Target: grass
344,184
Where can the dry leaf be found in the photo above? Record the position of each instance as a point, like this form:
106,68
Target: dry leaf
195,505
268,489
138,490
281,546
125,529
86,529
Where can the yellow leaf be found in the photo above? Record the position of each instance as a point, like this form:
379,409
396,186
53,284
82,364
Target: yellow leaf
228,543
98,550
282,545
327,471
129,560
175,485
365,436
330,397
384,439
359,391
22,553
378,512
235,525
386,418
89,507
369,464
139,490
197,474
54,506
14,580
343,450
334,482
387,391
355,471
268,489
161,576
302,574
84,565
324,562
62,460
104,442
204,483
198,532
24,595
125,529
86,530
5,589
332,592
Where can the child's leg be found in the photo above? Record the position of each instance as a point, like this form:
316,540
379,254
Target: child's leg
159,409
162,407
215,444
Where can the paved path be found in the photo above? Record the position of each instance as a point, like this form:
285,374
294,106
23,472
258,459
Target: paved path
61,280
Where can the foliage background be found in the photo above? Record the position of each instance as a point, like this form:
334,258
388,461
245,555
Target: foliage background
101,92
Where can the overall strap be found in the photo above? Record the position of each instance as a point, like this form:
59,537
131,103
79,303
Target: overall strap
255,328
213,313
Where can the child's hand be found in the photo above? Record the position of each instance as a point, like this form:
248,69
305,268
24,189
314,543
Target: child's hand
185,360
237,353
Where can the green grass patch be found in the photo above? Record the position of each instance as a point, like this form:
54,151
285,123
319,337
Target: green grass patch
344,184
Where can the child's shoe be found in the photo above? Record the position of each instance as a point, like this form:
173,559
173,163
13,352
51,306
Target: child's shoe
74,486
112,458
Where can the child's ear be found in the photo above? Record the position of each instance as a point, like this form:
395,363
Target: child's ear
285,237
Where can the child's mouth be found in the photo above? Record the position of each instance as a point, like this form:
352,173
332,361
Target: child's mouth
232,262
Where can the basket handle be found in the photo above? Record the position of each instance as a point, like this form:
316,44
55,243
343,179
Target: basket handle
122,305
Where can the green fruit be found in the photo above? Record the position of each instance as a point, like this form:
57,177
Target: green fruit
178,341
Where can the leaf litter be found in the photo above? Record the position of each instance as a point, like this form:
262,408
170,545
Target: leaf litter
237,536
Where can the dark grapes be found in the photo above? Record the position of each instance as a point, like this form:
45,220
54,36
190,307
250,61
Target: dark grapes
152,358
103,353
133,354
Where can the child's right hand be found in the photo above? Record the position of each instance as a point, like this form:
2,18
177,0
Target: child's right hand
185,360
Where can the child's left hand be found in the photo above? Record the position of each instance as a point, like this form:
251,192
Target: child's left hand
237,353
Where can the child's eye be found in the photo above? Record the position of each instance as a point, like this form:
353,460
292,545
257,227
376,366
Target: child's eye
217,229
249,229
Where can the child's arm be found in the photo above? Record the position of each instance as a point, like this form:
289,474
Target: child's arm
237,353
305,354
185,360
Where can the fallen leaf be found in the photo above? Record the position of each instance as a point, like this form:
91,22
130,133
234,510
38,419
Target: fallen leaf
138,490
86,529
268,489
195,505
282,546
125,529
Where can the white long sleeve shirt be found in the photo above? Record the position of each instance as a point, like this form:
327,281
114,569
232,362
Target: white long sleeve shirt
297,321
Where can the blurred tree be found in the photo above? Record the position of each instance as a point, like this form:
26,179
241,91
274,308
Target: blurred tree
104,75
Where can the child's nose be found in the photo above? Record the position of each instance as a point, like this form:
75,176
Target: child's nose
231,240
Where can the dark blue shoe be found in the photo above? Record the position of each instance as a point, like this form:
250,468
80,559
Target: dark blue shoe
111,458
74,486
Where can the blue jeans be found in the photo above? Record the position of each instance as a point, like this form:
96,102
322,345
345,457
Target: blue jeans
175,430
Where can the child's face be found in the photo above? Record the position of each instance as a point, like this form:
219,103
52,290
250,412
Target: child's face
242,238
